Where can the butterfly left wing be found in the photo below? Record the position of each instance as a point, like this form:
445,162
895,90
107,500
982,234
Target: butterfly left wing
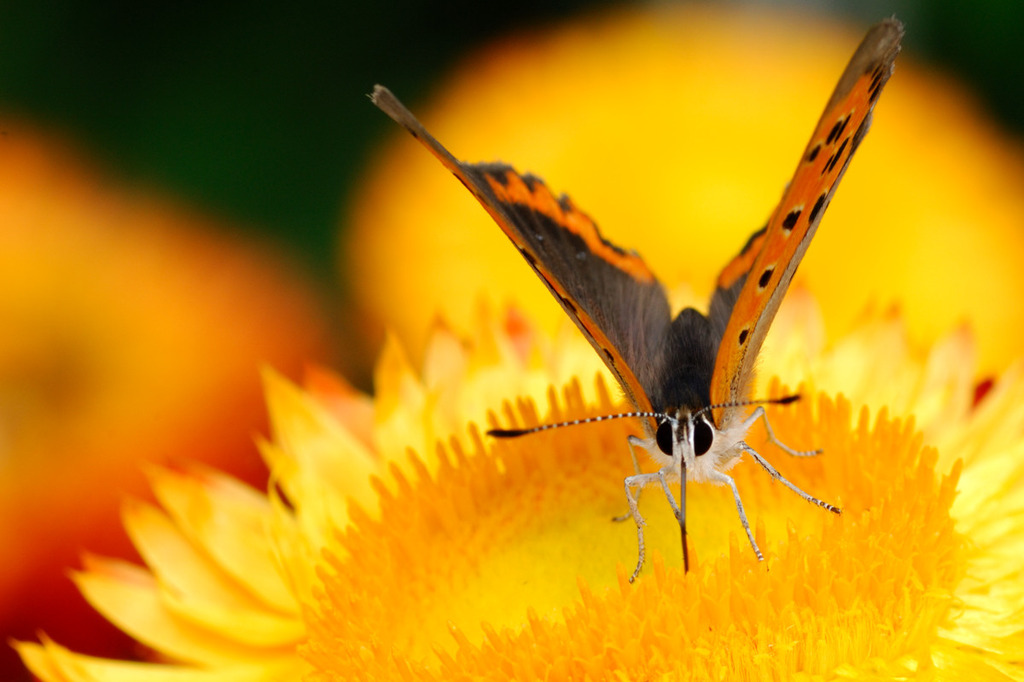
609,292
765,266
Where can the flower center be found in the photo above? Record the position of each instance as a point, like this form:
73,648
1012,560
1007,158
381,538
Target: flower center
501,555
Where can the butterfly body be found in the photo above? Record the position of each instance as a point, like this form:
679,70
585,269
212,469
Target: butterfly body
687,354
689,377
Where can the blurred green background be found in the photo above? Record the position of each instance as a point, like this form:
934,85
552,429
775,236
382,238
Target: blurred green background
257,111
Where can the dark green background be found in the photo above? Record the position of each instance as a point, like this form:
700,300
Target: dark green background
258,114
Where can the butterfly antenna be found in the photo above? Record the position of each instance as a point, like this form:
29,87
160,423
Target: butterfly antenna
785,400
515,433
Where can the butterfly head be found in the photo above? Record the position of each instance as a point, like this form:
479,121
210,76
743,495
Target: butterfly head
690,437
685,435
688,440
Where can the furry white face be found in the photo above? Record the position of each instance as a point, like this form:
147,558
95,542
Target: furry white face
691,438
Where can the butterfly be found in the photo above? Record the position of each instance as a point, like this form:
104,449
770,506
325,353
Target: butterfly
688,378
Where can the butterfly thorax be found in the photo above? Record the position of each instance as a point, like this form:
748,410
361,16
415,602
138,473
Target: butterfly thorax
682,380
686,362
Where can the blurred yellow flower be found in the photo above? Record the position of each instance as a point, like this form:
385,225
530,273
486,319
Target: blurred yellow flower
676,129
466,561
130,331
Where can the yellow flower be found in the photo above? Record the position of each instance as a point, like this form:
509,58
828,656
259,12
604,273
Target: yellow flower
480,560
676,129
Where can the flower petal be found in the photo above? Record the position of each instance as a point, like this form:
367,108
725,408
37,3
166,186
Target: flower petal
54,663
131,599
230,522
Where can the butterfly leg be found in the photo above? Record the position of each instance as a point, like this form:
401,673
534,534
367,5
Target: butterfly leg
759,413
774,473
632,440
638,481
719,477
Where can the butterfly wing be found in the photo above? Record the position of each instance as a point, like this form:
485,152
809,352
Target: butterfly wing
609,292
762,271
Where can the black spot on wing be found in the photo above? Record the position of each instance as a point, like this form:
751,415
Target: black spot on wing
789,222
500,178
743,336
829,165
842,147
862,130
815,150
875,89
835,157
834,133
842,128
766,277
818,205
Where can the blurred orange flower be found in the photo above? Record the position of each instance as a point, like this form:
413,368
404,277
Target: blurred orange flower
132,332
676,129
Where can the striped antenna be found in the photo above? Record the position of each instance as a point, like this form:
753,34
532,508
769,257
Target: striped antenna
785,400
515,433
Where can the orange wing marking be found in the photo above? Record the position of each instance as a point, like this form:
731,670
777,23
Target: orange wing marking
514,190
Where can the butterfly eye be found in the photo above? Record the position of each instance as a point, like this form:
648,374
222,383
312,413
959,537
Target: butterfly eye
702,437
664,437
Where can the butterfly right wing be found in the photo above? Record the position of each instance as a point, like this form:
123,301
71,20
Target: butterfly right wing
610,293
764,268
